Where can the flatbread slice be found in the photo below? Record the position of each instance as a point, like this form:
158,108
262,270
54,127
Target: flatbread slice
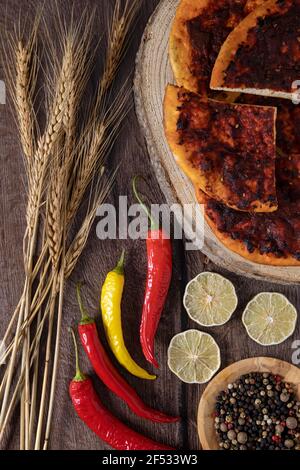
261,55
200,28
270,239
227,150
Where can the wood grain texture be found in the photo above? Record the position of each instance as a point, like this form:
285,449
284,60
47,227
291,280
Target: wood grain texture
167,393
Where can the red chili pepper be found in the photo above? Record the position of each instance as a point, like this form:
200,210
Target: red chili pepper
108,373
159,254
91,411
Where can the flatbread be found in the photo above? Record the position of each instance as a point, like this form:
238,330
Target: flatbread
261,55
228,150
200,28
273,238
270,239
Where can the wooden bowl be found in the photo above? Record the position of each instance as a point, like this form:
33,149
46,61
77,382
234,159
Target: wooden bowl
206,430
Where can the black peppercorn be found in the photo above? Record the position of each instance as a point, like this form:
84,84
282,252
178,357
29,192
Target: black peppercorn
260,412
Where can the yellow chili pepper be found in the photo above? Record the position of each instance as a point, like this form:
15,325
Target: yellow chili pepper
111,297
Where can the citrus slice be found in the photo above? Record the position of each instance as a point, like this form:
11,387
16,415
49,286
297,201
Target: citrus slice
269,318
210,299
194,356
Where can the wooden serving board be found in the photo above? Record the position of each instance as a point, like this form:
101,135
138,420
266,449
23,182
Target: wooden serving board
153,73
206,430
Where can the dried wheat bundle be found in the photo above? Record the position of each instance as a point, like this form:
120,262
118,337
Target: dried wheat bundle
64,163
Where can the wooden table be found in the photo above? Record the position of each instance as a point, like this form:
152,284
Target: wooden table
167,393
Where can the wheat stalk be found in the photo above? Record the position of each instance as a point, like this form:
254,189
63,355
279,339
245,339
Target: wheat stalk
78,244
33,355
119,28
71,164
90,156
61,280
37,177
36,182
23,100
19,54
55,233
54,216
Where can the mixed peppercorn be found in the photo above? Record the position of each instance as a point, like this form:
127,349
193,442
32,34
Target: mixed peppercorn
258,412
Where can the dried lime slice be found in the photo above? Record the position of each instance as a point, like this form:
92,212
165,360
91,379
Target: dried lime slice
270,318
194,356
210,299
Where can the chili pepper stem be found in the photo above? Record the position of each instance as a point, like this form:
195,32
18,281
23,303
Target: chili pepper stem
119,269
153,224
85,318
79,377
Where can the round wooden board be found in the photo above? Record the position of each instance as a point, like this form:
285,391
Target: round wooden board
206,429
153,73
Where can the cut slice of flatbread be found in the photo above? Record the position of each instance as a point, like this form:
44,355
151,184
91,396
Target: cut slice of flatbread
199,29
261,55
269,239
228,150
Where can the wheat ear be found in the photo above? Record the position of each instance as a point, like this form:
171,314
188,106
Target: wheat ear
118,39
23,100
36,182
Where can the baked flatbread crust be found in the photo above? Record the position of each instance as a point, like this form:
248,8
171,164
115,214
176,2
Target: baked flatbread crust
278,231
181,49
228,150
261,56
240,247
